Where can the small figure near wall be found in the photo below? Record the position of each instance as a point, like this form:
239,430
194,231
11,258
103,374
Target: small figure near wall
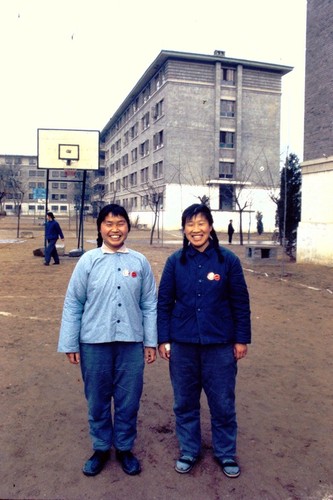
230,231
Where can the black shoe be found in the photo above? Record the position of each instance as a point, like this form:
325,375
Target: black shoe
96,463
129,462
56,263
46,264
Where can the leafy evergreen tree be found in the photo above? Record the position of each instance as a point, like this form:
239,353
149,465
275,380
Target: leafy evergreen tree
289,203
260,225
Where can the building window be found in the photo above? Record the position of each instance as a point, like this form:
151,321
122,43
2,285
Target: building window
53,174
124,160
226,170
146,93
158,140
227,139
134,202
158,170
133,179
145,121
42,185
144,201
118,145
135,105
111,187
117,165
126,138
228,76
125,182
54,197
134,154
32,161
226,195
144,148
63,197
113,149
112,169
158,80
118,185
144,175
32,185
134,131
158,110
32,173
55,185
63,208
54,208
63,185
227,108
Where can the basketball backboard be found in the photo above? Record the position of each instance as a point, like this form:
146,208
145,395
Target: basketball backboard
68,149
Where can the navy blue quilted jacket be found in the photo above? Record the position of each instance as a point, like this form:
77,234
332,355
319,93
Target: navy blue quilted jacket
203,301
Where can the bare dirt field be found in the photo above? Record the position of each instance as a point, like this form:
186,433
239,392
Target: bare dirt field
284,389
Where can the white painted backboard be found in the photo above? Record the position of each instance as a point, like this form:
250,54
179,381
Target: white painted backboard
68,149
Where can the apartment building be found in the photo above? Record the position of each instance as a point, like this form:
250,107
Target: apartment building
315,231
24,185
196,127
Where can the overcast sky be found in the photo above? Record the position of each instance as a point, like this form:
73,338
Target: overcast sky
70,63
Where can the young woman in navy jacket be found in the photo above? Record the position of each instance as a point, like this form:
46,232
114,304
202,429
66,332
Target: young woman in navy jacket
203,331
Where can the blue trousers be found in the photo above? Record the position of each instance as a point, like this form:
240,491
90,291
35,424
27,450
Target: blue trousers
213,368
112,371
51,251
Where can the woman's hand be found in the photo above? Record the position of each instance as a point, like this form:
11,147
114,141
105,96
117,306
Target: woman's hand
240,351
164,350
150,354
74,357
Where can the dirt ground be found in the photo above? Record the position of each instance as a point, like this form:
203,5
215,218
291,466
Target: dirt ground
284,388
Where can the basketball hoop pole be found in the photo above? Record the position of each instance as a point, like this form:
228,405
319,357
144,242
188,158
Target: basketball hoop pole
80,238
46,205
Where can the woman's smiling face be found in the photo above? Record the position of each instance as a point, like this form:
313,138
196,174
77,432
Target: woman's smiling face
197,230
114,231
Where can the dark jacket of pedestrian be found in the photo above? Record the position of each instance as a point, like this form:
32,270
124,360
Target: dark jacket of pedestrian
53,230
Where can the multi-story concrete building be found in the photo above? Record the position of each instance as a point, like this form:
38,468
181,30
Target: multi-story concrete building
315,231
24,185
196,127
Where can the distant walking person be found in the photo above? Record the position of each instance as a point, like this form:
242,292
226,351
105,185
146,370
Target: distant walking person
230,232
52,233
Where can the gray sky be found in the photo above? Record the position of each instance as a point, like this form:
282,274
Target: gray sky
70,63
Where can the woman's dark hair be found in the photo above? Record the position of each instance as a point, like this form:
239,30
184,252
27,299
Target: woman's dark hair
115,210
50,214
188,214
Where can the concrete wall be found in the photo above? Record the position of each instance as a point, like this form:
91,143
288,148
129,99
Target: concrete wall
318,80
178,197
315,231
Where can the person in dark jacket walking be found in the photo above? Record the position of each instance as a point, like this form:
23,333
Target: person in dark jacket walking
203,330
52,233
230,232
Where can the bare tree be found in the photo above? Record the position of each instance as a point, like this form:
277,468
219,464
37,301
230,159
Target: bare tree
4,184
252,175
15,186
152,194
191,175
243,192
